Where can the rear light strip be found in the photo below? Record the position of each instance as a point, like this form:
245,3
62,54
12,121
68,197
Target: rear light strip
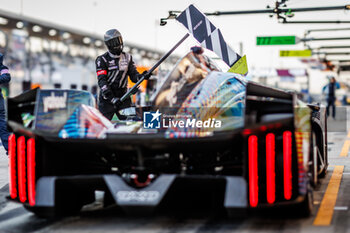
270,168
31,170
22,169
12,166
287,164
253,170
21,152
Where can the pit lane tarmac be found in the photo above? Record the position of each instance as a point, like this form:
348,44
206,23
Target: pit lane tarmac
330,213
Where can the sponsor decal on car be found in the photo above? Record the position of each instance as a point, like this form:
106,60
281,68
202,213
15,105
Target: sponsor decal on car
54,102
138,196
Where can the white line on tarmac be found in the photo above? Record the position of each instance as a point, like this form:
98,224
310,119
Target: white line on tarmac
340,208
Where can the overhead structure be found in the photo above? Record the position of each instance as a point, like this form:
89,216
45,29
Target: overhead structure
334,47
328,47
325,30
280,10
331,53
315,22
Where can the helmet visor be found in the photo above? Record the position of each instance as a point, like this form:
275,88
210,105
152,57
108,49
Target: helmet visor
114,42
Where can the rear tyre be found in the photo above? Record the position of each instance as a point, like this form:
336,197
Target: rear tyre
314,162
325,151
304,208
323,173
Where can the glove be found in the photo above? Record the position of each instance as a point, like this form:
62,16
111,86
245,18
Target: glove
145,74
106,92
116,102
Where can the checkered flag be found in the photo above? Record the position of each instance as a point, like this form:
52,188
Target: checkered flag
207,34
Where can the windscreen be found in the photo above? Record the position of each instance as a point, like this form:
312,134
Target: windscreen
216,104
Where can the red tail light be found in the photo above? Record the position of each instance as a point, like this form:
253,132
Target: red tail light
31,170
287,164
270,168
12,166
253,170
21,152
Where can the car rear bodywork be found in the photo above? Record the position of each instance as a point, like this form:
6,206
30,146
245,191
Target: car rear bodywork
259,156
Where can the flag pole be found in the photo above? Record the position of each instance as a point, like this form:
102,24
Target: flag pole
134,89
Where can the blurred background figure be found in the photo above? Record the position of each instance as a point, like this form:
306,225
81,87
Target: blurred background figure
329,90
5,78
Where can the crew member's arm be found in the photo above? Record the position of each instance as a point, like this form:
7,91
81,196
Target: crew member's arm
132,72
5,76
101,70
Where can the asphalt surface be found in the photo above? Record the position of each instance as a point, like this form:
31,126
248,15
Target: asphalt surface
14,218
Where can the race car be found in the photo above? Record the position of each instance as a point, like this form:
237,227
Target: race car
209,138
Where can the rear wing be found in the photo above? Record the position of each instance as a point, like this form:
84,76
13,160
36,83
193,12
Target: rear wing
45,110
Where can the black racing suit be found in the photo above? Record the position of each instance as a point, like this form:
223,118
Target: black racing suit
112,73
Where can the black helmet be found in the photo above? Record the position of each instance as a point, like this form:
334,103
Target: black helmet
114,41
